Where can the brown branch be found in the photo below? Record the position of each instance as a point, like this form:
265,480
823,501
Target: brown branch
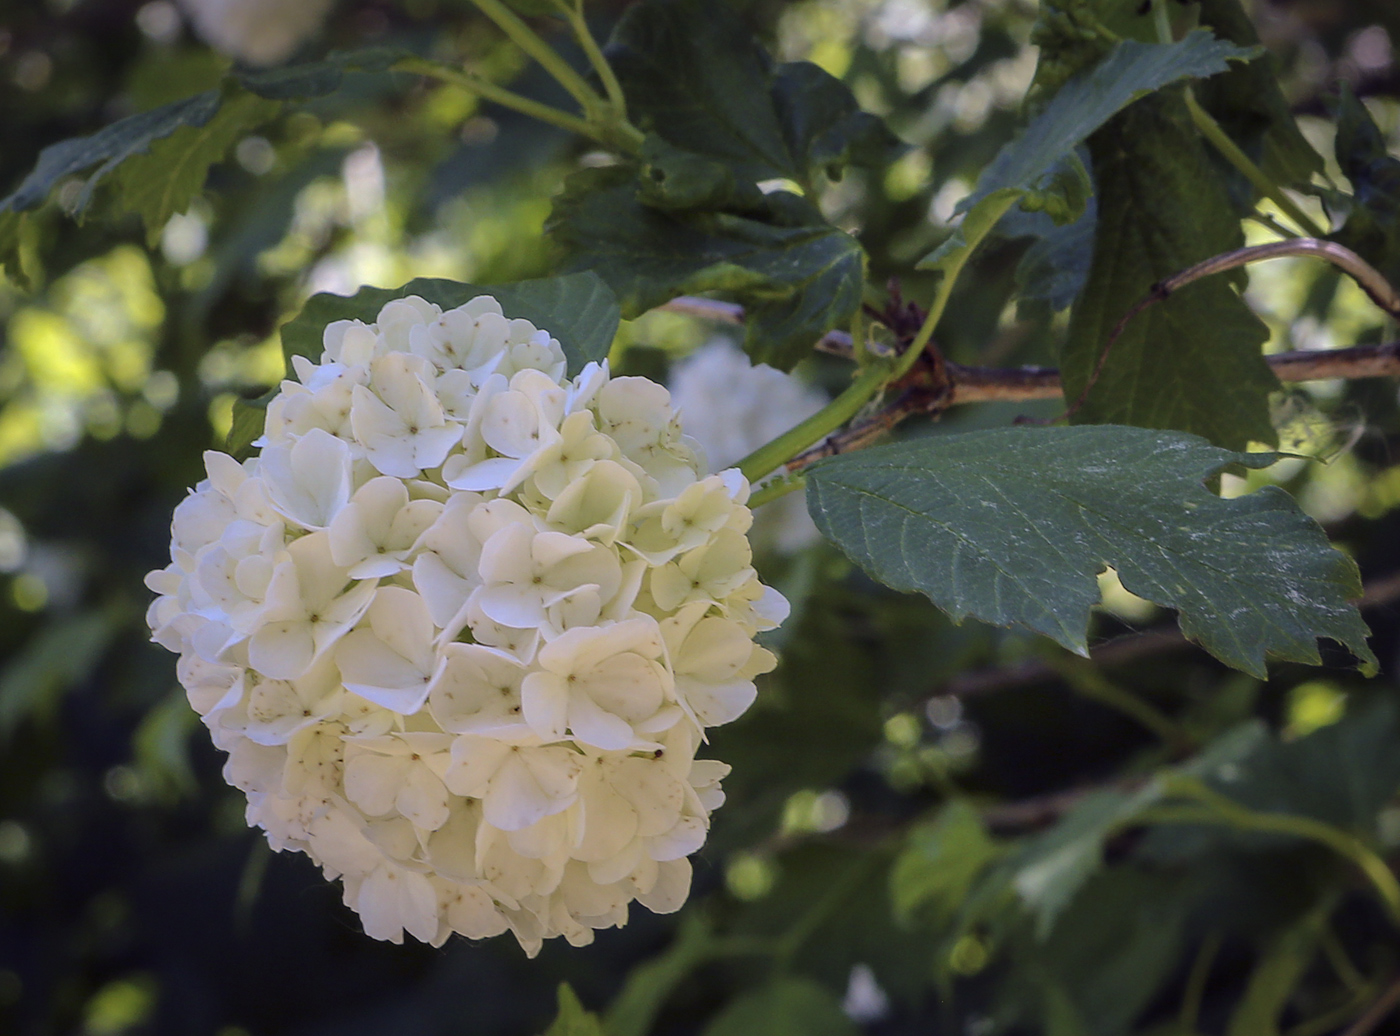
1019,384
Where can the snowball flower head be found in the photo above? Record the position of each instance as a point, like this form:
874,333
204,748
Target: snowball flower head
732,408
259,32
462,624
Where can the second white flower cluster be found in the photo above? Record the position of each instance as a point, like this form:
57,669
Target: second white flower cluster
462,625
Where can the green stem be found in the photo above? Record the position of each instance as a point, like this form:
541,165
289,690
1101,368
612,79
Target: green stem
776,489
1216,808
500,95
1210,129
771,456
531,43
595,57
996,208
1190,1014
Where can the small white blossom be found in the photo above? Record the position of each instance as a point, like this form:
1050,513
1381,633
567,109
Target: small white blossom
462,625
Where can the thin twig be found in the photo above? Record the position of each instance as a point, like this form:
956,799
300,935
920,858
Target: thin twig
971,384
1371,281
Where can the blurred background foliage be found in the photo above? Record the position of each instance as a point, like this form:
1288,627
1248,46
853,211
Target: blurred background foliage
133,899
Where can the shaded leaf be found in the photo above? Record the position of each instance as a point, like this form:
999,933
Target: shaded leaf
783,1007
1372,227
165,179
1012,527
797,276
1251,108
1089,100
176,143
1192,362
694,75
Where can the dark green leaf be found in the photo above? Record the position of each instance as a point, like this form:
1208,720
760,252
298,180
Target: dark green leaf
1250,107
173,146
572,1019
165,179
783,1007
1012,526
1192,362
109,146
1342,774
1372,228
797,276
1056,267
318,78
1089,100
578,309
694,75
249,418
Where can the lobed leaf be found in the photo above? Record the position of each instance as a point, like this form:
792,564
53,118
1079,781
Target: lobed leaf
797,275
162,156
1192,362
695,76
1013,526
1084,104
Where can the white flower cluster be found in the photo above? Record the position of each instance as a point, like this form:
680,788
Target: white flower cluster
462,624
732,408
260,32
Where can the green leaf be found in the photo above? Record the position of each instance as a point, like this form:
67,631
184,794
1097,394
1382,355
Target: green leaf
578,309
1342,774
941,861
1251,108
249,418
1372,228
572,1019
1089,100
783,1007
1040,169
694,75
797,276
164,180
1012,526
1192,362
109,147
174,145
